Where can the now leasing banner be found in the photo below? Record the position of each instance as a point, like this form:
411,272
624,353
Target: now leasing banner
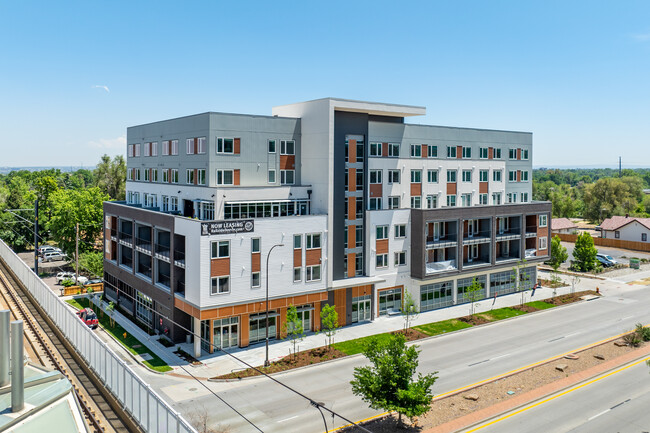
227,227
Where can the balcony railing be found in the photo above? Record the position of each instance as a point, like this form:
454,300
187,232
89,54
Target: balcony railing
480,238
163,250
476,262
126,237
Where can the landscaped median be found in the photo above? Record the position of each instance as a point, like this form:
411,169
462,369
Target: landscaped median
129,342
355,346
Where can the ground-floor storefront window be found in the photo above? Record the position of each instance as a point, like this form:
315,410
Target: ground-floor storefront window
257,327
436,295
390,300
463,289
143,308
502,283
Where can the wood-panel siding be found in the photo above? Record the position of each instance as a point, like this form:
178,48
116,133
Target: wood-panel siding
236,177
376,190
352,236
451,188
606,242
297,257
483,187
459,152
340,305
384,149
352,151
351,264
425,151
237,146
220,267
416,189
382,246
352,179
256,259
312,257
352,208
287,162
490,152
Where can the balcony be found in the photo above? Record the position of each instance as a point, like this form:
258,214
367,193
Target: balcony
531,232
162,251
179,258
126,237
478,238
143,245
449,241
476,262
441,266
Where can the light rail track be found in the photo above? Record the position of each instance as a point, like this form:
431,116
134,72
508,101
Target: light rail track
101,410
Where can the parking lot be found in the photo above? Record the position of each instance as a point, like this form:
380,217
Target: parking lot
621,256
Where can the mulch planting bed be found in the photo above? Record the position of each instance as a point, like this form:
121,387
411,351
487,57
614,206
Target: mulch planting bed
570,297
476,319
451,407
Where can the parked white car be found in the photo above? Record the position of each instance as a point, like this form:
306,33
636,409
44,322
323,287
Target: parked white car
64,276
48,249
53,256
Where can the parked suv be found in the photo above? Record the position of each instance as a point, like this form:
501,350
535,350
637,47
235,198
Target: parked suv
53,256
64,276
48,249
604,258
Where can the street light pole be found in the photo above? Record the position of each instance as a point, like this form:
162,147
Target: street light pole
266,361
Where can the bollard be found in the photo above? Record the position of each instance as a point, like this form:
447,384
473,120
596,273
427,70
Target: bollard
5,319
17,367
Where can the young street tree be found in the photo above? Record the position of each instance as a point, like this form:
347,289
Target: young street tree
389,384
584,253
330,320
473,293
293,327
522,276
409,311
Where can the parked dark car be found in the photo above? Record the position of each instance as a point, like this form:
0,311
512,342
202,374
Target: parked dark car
94,281
88,316
603,261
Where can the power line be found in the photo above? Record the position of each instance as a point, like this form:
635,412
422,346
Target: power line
309,399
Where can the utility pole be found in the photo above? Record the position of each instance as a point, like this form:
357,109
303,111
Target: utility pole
76,256
36,237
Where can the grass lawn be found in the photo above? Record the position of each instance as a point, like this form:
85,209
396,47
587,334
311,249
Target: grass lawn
131,343
442,327
352,347
540,305
501,313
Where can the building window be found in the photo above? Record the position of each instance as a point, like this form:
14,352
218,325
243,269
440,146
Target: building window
297,242
524,197
416,202
496,175
542,242
382,261
393,202
358,236
255,245
512,176
416,150
220,285
467,175
136,149
201,176
225,145
165,203
543,220
432,151
255,280
297,274
451,200
416,176
225,177
400,231
272,176
497,153
129,174
313,240
467,152
483,199
466,200
644,237
287,147
393,149
496,198
524,176
189,146
375,176
271,146
375,149
451,151
483,175
189,176
359,179
483,153
393,176
374,203
512,153
432,176
451,175
287,177
400,258
312,273
137,174
382,232
207,211
617,234
432,201
200,143
220,249
524,154
154,175
173,206
146,175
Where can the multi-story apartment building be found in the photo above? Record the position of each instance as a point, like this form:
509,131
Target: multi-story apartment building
358,206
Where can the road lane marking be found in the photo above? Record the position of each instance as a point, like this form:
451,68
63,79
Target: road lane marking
287,419
500,356
477,363
573,334
621,403
555,339
565,392
598,414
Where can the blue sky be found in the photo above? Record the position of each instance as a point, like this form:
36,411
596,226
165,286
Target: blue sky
576,74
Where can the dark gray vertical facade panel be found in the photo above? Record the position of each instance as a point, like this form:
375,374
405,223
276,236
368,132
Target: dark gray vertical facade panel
345,123
348,305
417,244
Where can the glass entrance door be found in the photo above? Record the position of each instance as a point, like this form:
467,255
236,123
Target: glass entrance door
205,335
361,309
226,333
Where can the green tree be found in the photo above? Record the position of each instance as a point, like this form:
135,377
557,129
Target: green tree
559,254
522,275
70,207
584,253
473,293
330,321
293,327
409,311
110,176
389,384
92,262
111,310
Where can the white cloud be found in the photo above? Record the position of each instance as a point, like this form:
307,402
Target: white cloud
642,37
102,87
109,143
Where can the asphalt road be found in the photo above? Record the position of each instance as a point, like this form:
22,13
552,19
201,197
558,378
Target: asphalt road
614,252
616,403
462,359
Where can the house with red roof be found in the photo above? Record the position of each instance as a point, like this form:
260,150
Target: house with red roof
626,228
563,225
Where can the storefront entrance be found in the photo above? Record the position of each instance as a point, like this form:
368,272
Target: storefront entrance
361,309
390,300
257,330
226,333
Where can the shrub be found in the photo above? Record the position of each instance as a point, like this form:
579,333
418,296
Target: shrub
632,339
67,282
643,332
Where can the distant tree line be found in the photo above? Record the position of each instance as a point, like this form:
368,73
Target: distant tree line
593,194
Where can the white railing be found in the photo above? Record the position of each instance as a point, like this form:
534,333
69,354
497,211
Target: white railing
150,411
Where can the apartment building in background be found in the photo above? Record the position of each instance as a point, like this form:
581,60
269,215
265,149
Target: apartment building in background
358,207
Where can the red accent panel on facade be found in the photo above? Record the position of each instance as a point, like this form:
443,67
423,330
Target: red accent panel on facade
312,257
518,153
416,189
287,162
382,246
490,152
236,179
459,152
220,267
196,176
169,175
518,175
237,146
425,151
483,187
352,151
384,149
375,190
256,259
451,188
297,257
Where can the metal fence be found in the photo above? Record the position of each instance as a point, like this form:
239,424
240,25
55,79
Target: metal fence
151,412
